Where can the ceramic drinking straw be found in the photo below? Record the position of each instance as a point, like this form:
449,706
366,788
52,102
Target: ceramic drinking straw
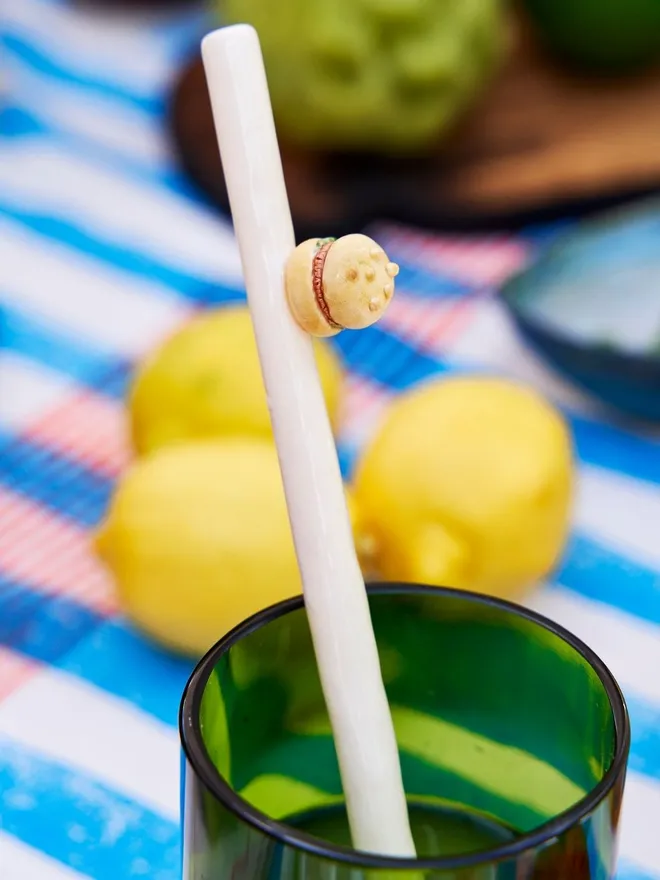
333,586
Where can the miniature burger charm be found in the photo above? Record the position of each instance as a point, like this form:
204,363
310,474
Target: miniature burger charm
343,284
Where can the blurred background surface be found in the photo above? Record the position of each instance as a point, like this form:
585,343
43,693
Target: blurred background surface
111,239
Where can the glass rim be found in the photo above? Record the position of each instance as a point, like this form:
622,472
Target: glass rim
207,773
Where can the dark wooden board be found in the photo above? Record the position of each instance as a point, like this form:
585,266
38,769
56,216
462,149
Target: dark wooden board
542,142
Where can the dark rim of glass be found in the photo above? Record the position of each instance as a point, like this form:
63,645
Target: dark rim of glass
208,775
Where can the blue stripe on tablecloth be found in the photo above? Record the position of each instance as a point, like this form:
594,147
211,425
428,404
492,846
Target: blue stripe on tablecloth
607,446
179,31
182,34
117,383
627,871
43,627
598,572
426,284
347,454
117,659
36,59
378,355
53,480
16,121
24,334
545,234
135,262
107,653
91,828
645,745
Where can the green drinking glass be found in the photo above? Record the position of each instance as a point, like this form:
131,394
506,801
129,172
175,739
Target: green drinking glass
513,739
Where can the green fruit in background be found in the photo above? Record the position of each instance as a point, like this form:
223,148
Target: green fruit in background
384,75
601,34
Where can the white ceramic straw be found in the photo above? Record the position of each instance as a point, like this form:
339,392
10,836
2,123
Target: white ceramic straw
335,596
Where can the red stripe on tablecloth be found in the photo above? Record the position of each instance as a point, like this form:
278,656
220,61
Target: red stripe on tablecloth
408,316
363,404
482,262
89,429
15,671
429,324
418,319
56,556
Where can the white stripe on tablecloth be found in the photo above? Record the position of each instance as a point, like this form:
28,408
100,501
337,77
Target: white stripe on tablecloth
622,512
18,861
90,42
490,341
123,314
27,390
628,646
631,650
98,734
641,807
100,119
35,176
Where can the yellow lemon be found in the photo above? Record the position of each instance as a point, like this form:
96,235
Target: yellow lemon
205,381
197,538
468,483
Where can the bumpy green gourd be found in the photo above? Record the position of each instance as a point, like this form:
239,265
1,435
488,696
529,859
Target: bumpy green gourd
384,75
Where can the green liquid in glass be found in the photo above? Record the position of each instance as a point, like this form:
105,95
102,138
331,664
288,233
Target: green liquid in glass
437,831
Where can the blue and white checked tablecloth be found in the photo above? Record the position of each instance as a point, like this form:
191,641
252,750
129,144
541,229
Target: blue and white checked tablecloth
103,250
